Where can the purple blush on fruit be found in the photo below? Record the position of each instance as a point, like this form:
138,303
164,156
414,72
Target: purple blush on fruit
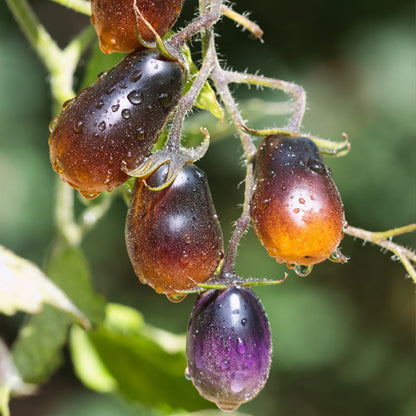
228,346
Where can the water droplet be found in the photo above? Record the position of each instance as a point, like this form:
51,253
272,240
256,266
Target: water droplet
140,135
57,166
115,107
89,195
78,125
187,375
66,104
302,270
126,114
52,124
241,346
101,75
296,210
184,258
99,104
228,406
135,76
291,266
143,280
316,165
187,238
110,89
337,257
135,97
272,173
175,298
301,201
165,99
102,126
244,321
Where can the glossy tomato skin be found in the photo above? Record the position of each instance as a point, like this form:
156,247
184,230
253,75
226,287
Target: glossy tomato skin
228,346
115,23
114,122
173,236
296,209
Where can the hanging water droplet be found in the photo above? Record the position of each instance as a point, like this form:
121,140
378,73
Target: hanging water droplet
89,195
78,125
135,97
135,76
228,406
337,257
187,375
244,321
316,165
302,270
126,114
102,126
115,107
175,298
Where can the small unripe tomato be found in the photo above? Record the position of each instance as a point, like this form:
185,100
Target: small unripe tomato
173,236
296,209
114,122
228,346
115,21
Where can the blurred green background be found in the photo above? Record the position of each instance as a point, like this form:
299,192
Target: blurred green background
344,337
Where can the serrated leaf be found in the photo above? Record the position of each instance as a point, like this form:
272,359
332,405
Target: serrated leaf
207,100
37,350
146,363
24,287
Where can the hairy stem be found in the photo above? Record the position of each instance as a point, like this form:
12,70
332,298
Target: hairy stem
382,239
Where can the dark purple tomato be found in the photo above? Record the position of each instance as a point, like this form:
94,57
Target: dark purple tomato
115,22
296,209
114,122
173,236
228,346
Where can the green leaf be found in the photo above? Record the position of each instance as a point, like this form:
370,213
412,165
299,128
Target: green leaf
70,271
24,287
207,99
37,350
99,62
146,363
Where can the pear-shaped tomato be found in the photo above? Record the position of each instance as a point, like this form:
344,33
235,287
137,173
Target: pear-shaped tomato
115,21
228,346
173,236
114,122
296,209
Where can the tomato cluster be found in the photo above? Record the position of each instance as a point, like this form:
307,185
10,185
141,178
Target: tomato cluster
173,235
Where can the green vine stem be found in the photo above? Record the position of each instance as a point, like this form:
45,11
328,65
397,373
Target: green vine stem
383,239
80,6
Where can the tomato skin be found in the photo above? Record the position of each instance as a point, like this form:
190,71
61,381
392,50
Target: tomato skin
115,21
296,208
114,122
228,346
173,236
